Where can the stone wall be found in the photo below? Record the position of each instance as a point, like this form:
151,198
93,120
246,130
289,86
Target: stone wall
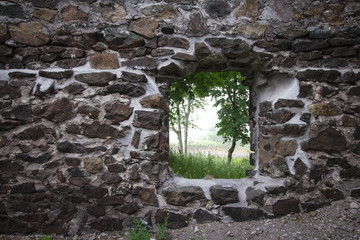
84,109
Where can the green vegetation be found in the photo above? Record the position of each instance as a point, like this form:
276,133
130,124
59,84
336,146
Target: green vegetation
45,238
196,166
142,233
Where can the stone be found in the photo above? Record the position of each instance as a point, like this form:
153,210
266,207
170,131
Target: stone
196,26
320,34
72,161
172,69
5,51
79,181
71,13
154,101
202,216
51,4
4,34
252,30
201,49
325,109
75,88
36,133
96,78
117,39
111,178
161,11
124,89
285,206
250,8
98,130
133,77
334,18
306,90
136,139
174,220
290,31
21,114
275,45
12,11
93,165
265,106
255,195
328,140
291,130
184,57
58,111
145,27
300,167
240,214
230,48
28,187
44,14
333,193
129,208
286,147
223,195
339,42
289,103
89,111
356,134
116,168
118,112
107,224
29,33
94,192
9,166
217,9
96,211
144,63
56,75
344,52
148,196
148,120
159,52
112,200
39,159
306,117
355,192
68,147
177,42
277,167
306,45
181,196
114,12
104,61
71,63
354,91
279,116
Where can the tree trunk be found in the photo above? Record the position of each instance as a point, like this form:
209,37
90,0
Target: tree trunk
231,150
179,130
186,130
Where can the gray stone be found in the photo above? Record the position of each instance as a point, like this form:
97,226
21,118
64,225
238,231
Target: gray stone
133,77
240,214
144,63
184,57
56,75
255,195
328,140
148,120
145,26
52,4
117,39
96,211
202,216
28,187
331,76
224,195
177,42
172,69
230,48
217,8
197,26
71,63
275,45
159,52
292,130
124,89
118,112
182,195
306,45
39,159
12,11
300,167
289,103
96,78
277,167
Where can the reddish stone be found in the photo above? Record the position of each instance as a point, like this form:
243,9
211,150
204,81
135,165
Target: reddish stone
118,112
29,33
145,27
154,101
71,13
148,197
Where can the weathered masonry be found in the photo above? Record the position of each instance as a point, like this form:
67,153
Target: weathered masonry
84,109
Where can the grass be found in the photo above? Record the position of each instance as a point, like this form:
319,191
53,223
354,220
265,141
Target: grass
196,166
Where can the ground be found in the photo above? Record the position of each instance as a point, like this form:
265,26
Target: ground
340,220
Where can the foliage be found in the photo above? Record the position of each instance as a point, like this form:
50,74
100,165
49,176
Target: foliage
140,232
45,238
162,228
196,166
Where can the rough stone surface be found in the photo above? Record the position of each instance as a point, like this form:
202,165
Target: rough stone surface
327,140
93,165
118,112
224,195
183,195
148,120
96,78
325,109
29,33
155,101
145,27
104,61
240,214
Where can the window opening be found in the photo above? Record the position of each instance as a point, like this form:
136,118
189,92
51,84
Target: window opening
209,126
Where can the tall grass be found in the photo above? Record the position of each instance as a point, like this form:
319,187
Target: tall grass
196,166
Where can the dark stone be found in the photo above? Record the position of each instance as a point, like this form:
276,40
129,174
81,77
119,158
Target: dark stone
276,45
10,166
21,207
97,130
294,130
28,187
117,39
289,103
75,88
96,78
22,114
5,51
339,42
78,180
96,211
174,220
73,53
111,178
224,195
8,90
112,200
344,52
40,159
31,218
331,76
255,195
305,117
12,11
333,193
148,120
352,172
217,8
335,63
182,195
230,48
239,214
305,45
354,91
355,192
56,75
12,226
36,133
129,208
184,57
320,34
71,63
83,41
49,91
58,111
300,167
328,140
172,69
116,168
148,197
68,147
151,156
94,192
279,116
51,4
118,112
356,134
286,206
133,77
107,224
159,52
277,166
202,216
265,106
201,49
90,111
76,172
125,89
197,26
177,42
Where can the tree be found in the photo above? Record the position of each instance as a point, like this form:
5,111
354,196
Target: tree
233,97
